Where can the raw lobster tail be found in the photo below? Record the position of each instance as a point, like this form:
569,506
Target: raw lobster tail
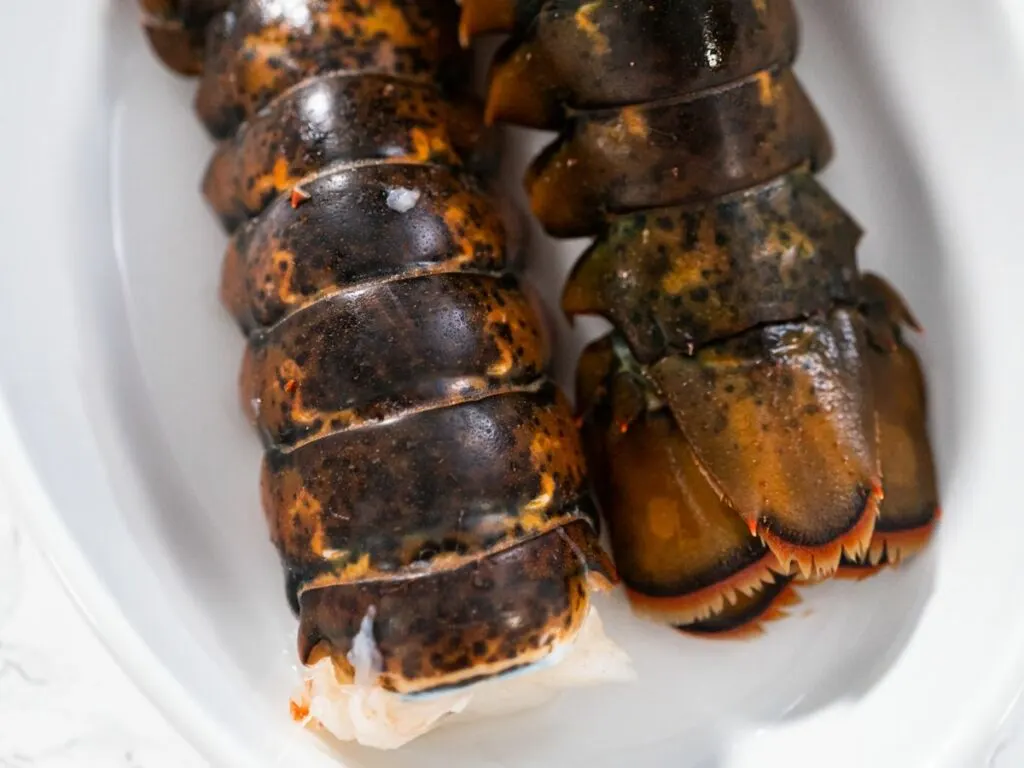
755,389
421,472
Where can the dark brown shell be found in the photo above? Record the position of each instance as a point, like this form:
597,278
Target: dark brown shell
421,470
491,616
672,279
574,56
337,118
749,372
259,49
348,234
176,30
382,349
674,152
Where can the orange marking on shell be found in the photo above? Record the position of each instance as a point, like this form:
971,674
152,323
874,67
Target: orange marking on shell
533,516
767,88
429,144
377,20
584,18
467,233
289,383
484,16
305,515
633,122
283,272
512,328
258,75
278,180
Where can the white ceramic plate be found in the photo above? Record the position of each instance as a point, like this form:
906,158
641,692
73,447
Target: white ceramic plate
121,438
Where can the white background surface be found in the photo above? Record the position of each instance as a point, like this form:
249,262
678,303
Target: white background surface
62,700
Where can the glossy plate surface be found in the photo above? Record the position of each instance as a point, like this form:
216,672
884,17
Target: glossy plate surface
122,441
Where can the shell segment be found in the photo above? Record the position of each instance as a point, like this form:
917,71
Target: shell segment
674,152
672,279
580,55
176,30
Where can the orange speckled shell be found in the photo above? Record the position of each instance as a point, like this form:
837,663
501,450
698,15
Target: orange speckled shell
259,49
420,468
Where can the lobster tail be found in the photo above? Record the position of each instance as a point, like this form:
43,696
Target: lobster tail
421,474
741,413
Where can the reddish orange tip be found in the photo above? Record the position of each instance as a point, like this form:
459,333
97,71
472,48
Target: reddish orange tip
299,196
821,562
704,603
774,611
893,547
890,548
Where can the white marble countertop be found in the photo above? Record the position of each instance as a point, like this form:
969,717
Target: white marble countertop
64,702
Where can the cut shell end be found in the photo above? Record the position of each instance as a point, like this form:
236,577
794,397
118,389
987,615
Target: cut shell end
381,719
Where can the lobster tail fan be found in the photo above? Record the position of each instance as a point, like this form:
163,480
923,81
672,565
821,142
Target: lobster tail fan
910,510
684,554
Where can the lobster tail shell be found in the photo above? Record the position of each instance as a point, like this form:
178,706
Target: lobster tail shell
743,405
420,468
571,57
682,549
783,420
